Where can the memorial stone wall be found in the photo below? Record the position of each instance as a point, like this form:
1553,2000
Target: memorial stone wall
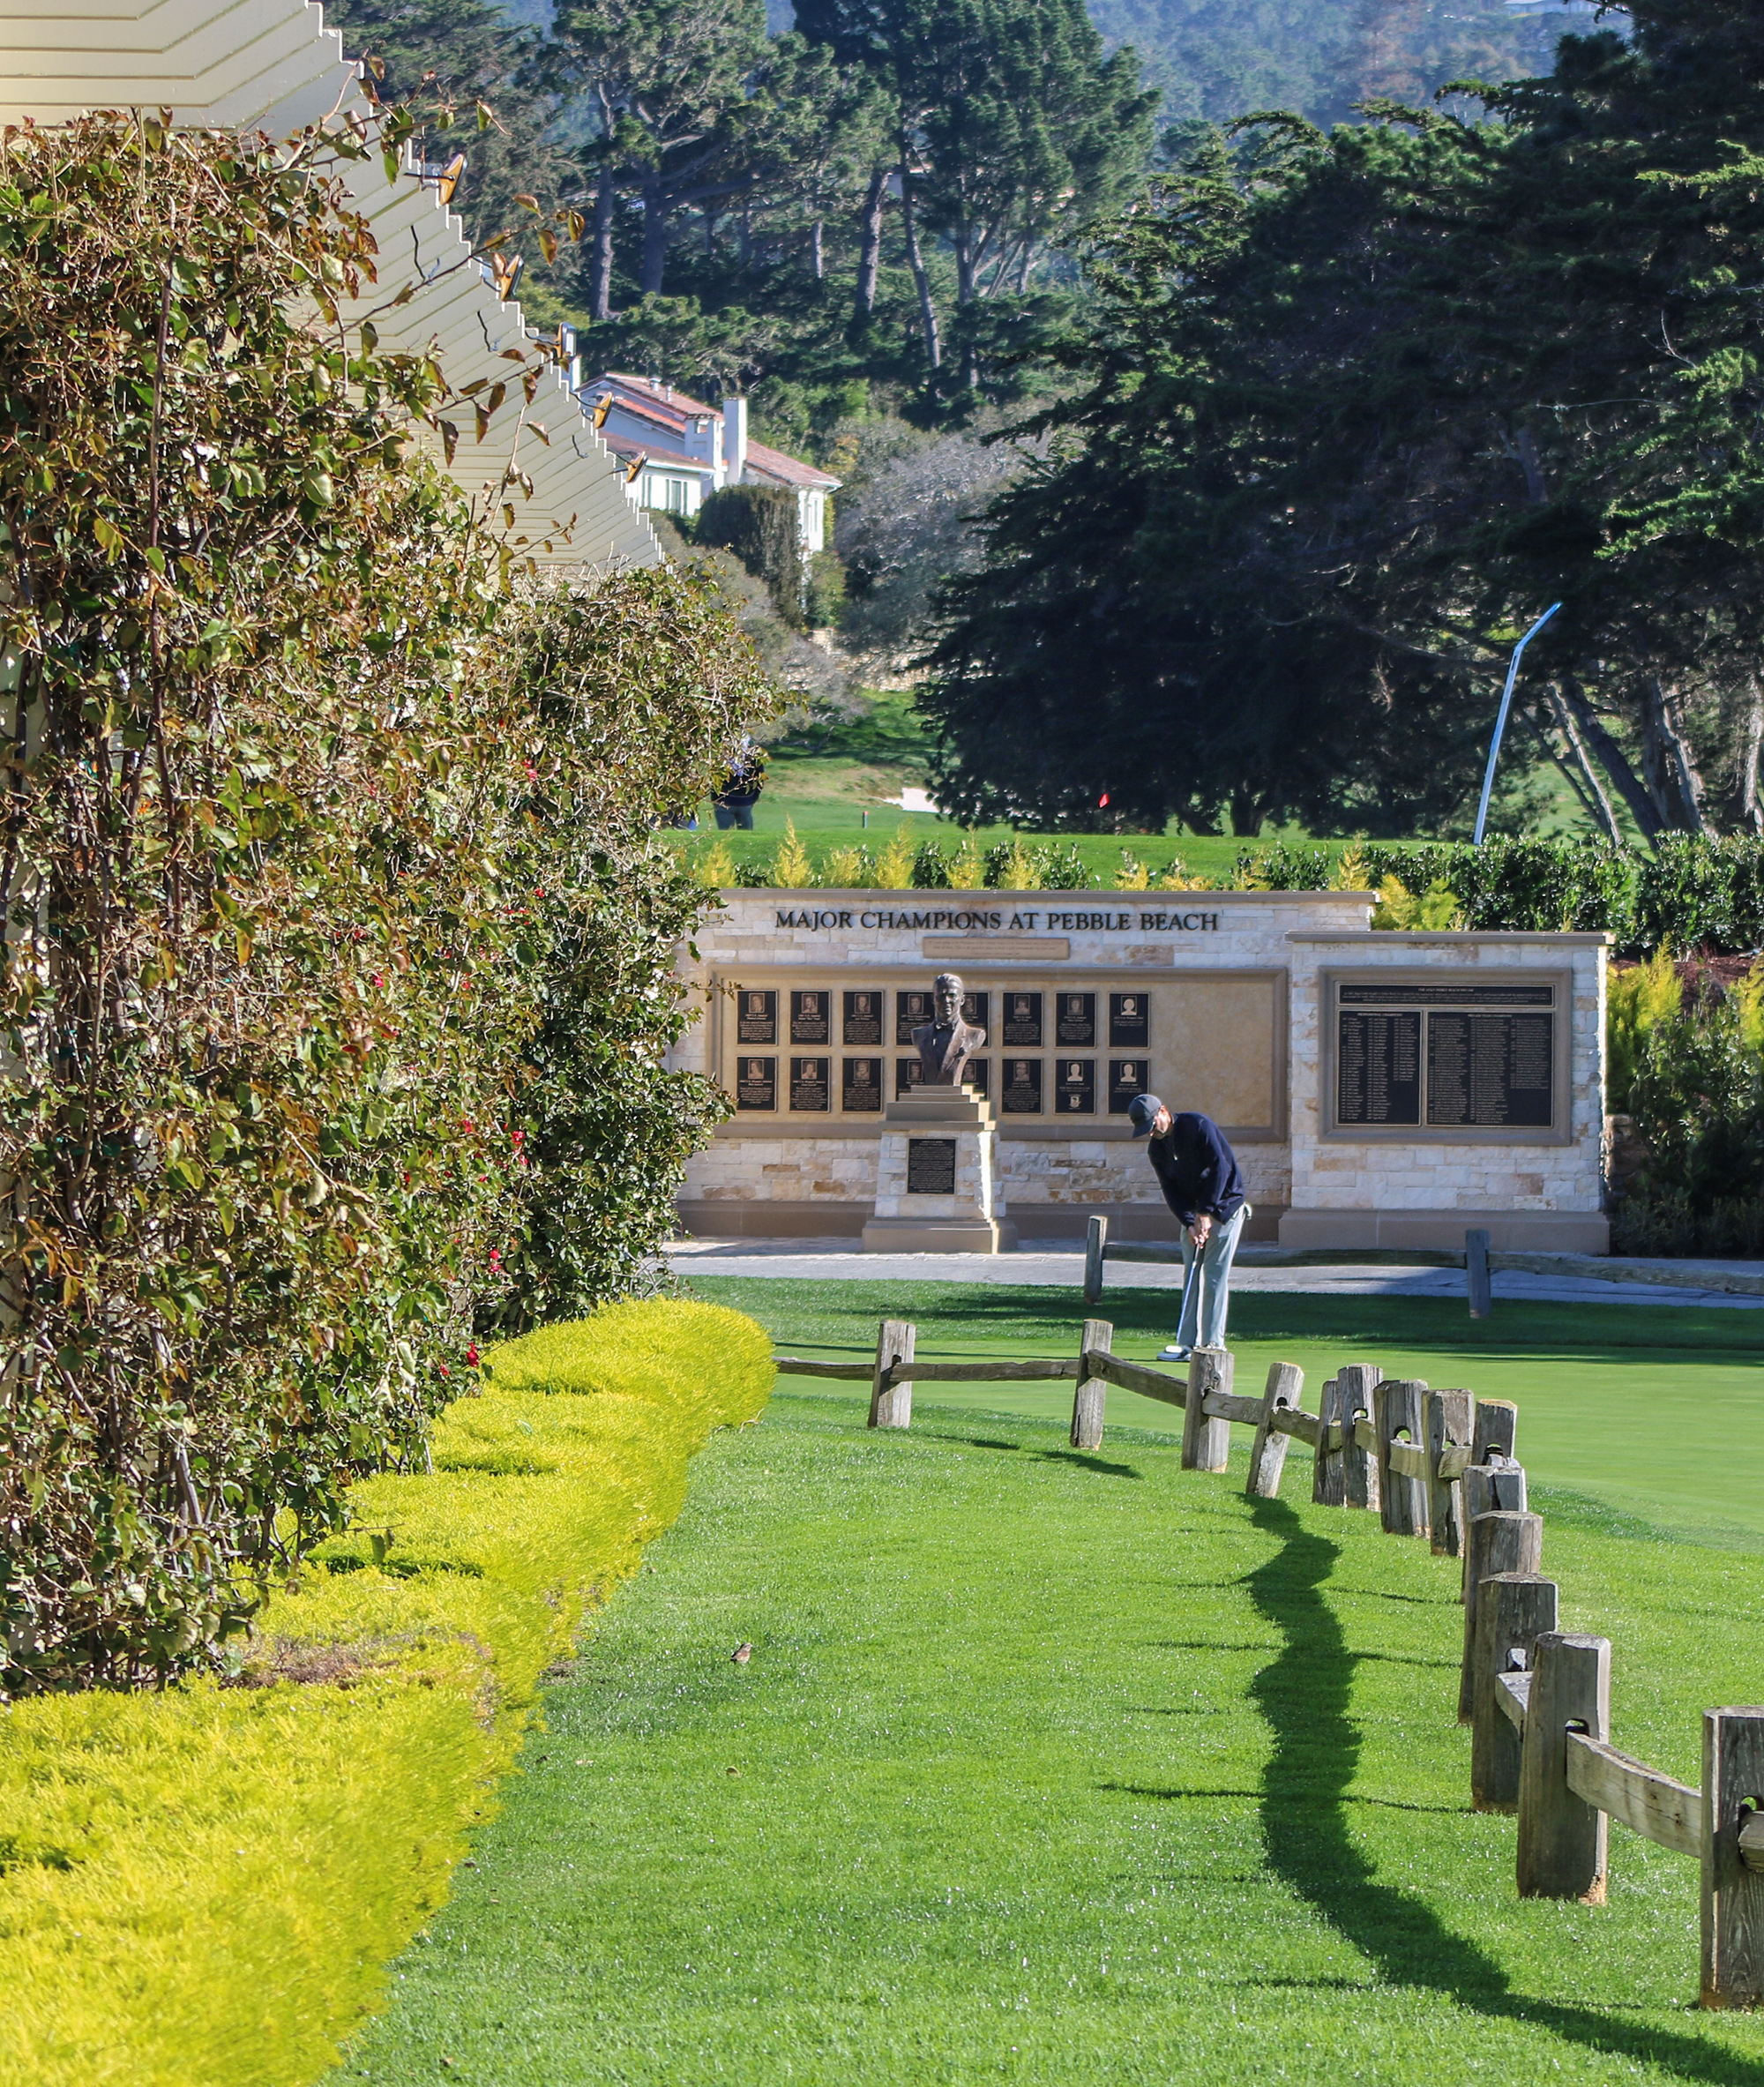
1380,1088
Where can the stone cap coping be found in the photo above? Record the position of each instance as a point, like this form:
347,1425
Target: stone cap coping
1088,895
1455,938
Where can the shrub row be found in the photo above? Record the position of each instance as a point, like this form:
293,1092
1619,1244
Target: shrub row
1689,893
205,1884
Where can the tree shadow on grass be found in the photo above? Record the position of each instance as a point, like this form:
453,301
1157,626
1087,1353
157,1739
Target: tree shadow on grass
1304,1694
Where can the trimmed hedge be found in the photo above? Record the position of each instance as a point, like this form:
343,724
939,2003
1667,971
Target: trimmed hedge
206,1884
1688,894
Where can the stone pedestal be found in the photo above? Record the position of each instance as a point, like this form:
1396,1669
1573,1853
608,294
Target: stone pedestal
936,1177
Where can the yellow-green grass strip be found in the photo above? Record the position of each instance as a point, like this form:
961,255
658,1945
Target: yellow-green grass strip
205,1886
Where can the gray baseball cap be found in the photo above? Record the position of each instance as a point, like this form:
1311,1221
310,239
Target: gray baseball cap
1142,1112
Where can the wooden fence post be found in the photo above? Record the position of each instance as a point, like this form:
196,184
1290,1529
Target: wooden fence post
1206,1442
1498,1543
1360,1467
1496,1425
1095,1239
1397,1410
1562,1838
1087,1400
891,1398
1448,1428
1733,1894
1513,1610
1477,1274
1268,1450
1328,1474
1488,1490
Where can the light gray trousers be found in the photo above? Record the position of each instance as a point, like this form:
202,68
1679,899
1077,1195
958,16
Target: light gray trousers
1207,1288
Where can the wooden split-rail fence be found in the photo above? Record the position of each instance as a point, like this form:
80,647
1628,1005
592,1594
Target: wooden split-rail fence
1441,1465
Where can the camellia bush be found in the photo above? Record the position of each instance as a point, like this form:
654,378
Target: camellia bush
318,837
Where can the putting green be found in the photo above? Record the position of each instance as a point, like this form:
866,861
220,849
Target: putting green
1656,1411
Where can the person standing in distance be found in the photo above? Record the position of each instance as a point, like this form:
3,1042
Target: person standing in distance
1198,1174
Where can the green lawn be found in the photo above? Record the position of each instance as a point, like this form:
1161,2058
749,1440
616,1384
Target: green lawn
1059,1769
1656,1410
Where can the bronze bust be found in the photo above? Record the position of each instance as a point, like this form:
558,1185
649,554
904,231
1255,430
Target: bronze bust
946,1044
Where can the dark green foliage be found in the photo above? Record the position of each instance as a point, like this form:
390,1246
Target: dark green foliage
290,896
444,57
1697,1097
930,867
758,524
1352,411
1655,1219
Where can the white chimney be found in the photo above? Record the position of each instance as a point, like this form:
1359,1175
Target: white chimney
735,438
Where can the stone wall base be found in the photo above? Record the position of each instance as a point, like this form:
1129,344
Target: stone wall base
1509,1232
730,1217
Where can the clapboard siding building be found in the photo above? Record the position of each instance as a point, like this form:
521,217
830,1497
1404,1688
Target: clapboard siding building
272,65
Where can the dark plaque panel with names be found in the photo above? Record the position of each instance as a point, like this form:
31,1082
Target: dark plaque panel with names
1127,1078
912,1011
811,1014
973,1007
1074,1018
910,1075
930,1166
1449,996
1074,1083
1378,1069
756,1018
1128,1019
1021,1091
756,1083
809,1083
862,1018
861,1084
1490,1070
1022,1022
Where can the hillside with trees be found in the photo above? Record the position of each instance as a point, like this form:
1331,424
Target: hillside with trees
1348,412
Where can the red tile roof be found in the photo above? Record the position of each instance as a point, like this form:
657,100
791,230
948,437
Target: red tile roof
772,463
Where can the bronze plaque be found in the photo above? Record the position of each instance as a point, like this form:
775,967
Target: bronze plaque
1074,1085
756,1083
930,1166
1022,1022
910,1076
912,1011
756,1018
1020,1089
1490,1070
974,1008
1129,1021
861,1084
974,1074
810,1018
1074,1018
1378,1067
1127,1078
809,1083
862,1018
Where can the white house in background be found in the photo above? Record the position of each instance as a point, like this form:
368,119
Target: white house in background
678,450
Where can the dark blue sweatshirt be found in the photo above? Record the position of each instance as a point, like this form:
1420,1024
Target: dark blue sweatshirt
1197,1170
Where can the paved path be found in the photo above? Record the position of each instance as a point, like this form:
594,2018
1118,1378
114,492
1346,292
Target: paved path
1060,1267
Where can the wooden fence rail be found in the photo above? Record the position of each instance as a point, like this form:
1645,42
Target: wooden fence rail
1441,1465
1478,1260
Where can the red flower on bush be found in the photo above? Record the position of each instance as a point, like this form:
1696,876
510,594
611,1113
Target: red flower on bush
472,1355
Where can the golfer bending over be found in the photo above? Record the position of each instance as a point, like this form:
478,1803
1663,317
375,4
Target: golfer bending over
1198,1175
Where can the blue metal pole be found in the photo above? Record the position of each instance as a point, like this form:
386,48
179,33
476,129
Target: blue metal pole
1500,722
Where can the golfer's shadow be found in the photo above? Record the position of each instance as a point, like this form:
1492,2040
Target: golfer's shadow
1304,1694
